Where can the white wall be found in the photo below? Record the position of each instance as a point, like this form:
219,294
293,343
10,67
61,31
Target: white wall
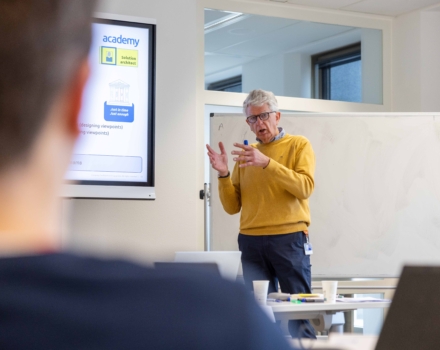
298,71
430,61
406,63
372,63
265,73
416,57
153,230
284,74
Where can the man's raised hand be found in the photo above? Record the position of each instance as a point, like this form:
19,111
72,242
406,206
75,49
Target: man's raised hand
250,156
219,161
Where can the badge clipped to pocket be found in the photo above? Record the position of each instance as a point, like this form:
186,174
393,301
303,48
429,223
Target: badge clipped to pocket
308,249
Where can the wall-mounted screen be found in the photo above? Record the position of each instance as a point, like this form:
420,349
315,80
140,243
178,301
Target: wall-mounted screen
114,154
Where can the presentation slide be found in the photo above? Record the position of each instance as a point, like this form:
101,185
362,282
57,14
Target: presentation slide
113,144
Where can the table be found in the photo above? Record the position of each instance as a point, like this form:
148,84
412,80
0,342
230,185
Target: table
320,314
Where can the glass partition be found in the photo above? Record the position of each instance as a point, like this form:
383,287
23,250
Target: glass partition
292,57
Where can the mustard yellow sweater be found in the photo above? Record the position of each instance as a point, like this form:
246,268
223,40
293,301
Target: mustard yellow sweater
273,200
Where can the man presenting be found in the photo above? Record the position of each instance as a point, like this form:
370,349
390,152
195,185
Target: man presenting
271,183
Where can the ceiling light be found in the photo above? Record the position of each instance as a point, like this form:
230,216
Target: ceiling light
223,20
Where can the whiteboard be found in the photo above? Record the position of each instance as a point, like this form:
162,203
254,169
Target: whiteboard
376,203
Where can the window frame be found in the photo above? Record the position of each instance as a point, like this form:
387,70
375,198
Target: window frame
324,61
222,85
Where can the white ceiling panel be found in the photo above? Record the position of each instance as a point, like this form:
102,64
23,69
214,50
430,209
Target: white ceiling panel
344,39
249,28
214,15
378,7
286,39
389,7
328,4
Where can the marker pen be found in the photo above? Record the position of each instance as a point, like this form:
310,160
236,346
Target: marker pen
311,300
246,143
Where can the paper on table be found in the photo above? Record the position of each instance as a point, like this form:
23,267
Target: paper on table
361,300
337,341
352,341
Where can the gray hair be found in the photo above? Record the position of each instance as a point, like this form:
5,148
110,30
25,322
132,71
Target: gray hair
260,97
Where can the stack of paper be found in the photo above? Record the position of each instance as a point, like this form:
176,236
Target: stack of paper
361,300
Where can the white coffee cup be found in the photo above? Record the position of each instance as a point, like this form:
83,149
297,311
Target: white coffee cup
329,289
260,291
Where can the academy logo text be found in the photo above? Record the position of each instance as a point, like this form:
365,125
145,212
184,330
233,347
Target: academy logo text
120,40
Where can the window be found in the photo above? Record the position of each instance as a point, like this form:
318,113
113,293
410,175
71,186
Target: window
229,85
337,74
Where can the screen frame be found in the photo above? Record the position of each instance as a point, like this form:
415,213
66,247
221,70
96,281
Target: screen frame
119,189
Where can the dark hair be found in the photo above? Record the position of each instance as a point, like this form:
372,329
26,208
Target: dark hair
42,44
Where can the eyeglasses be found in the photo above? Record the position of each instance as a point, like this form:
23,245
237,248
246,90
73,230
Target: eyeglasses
263,116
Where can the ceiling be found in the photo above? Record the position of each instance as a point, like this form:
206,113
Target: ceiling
378,7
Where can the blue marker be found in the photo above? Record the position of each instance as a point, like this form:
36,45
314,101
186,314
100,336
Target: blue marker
246,143
311,300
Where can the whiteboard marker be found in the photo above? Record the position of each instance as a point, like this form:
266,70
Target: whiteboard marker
246,143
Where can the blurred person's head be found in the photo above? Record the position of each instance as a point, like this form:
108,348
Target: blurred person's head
44,46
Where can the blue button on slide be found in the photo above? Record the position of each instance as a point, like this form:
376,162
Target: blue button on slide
114,113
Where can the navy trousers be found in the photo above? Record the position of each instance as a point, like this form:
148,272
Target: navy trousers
279,258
